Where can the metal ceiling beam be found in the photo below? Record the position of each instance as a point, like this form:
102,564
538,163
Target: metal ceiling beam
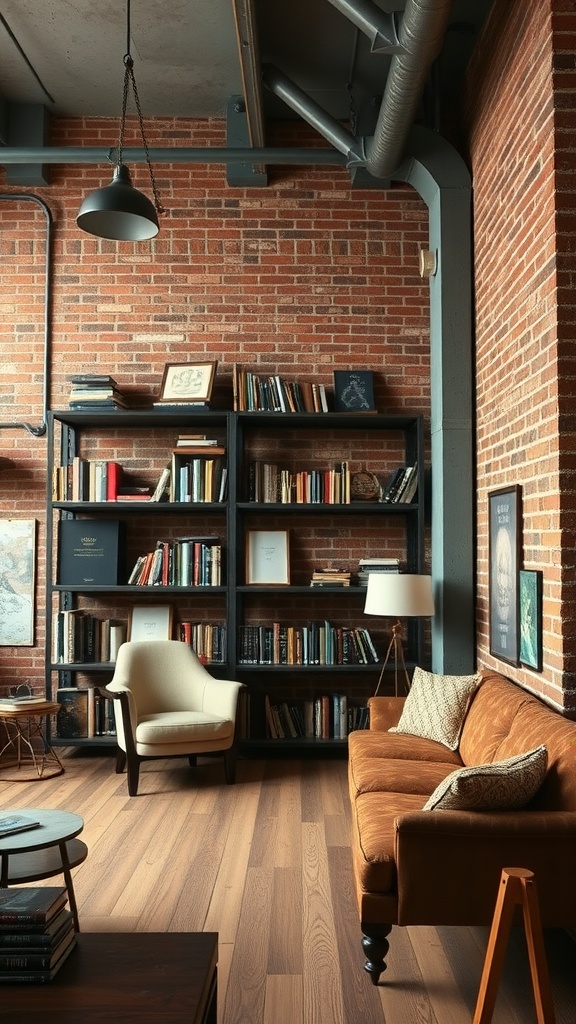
249,57
169,155
381,28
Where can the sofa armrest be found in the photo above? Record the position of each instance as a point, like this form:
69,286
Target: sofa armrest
385,712
449,863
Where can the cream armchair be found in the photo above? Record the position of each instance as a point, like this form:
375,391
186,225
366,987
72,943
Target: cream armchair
170,706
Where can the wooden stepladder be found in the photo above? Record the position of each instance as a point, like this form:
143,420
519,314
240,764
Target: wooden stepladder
517,887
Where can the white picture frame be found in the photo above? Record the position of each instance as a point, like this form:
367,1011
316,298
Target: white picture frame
150,622
268,557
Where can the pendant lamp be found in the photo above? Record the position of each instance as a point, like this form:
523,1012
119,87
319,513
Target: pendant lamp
119,210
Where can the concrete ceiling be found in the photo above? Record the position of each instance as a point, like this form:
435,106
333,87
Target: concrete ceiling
68,55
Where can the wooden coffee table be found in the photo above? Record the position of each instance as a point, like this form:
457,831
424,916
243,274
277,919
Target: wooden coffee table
129,977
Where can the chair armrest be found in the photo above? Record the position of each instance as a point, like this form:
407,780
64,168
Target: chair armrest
449,863
221,696
385,712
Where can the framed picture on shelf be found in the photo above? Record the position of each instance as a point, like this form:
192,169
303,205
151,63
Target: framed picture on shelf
268,557
187,382
354,391
150,622
504,537
530,587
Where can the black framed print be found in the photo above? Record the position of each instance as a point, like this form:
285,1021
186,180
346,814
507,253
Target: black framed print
504,536
530,597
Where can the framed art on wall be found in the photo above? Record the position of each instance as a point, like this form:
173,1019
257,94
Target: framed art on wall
504,536
17,581
530,597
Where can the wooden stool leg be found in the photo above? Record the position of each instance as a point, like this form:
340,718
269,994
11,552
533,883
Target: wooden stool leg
517,886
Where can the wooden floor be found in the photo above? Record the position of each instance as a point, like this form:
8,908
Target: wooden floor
266,864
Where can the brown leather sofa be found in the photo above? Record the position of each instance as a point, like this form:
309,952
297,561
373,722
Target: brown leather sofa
442,867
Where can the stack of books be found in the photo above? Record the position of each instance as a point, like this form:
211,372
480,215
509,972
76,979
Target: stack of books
330,578
36,934
378,564
21,703
95,391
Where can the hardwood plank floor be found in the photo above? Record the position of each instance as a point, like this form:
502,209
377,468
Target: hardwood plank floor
266,864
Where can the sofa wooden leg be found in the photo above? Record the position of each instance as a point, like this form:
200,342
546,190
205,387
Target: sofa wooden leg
375,945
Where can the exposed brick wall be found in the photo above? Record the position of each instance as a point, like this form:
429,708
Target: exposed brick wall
521,121
298,278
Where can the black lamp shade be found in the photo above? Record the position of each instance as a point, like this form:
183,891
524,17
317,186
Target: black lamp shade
119,211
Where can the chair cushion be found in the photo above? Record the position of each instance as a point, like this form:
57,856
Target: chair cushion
501,785
436,706
182,727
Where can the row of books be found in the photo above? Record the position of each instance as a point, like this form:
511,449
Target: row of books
269,483
316,643
79,636
185,562
252,393
207,639
84,713
401,485
326,717
36,933
197,478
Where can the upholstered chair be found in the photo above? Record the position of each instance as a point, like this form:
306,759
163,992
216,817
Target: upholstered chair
168,705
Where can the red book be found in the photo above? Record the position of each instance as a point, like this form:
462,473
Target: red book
113,480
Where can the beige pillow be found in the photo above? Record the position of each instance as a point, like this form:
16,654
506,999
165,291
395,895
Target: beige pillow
502,785
436,706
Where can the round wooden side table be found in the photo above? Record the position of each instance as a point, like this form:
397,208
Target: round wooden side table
26,746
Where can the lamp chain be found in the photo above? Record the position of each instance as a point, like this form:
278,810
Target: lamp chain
130,79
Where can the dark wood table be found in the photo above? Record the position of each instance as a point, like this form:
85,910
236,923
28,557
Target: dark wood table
128,977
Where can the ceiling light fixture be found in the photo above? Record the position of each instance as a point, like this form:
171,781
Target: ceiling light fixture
119,210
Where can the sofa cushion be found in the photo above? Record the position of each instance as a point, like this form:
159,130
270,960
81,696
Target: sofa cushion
500,785
378,774
537,723
489,720
374,838
365,743
436,706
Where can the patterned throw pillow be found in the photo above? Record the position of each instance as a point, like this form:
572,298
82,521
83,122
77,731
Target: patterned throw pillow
436,706
502,785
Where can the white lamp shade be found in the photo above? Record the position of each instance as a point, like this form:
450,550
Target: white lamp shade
399,595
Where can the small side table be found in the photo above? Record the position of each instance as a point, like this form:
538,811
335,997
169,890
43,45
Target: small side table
26,746
51,849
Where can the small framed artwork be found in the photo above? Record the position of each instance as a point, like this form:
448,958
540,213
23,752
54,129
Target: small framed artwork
354,391
17,581
150,622
268,557
504,537
187,382
530,597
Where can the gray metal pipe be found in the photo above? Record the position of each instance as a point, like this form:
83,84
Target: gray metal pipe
314,114
380,28
167,155
421,34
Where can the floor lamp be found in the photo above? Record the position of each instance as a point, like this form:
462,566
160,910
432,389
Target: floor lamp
399,595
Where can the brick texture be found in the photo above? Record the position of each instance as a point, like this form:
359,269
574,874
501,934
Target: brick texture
521,115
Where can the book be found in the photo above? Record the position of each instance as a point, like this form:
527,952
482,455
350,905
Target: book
91,551
37,976
72,717
10,824
13,703
30,959
22,906
96,380
35,937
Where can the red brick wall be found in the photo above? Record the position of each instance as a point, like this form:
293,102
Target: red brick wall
298,278
521,121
